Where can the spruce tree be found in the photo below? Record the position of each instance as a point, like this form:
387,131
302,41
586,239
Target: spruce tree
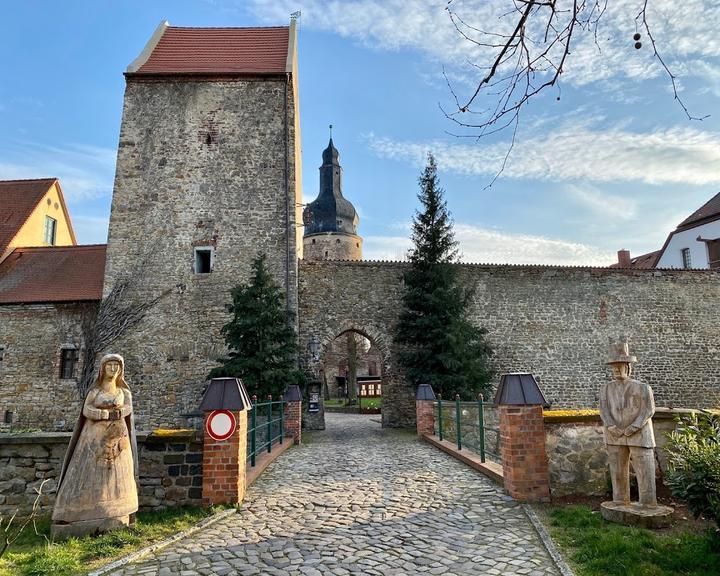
260,336
438,344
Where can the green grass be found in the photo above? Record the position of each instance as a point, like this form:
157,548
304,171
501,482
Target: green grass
32,555
596,547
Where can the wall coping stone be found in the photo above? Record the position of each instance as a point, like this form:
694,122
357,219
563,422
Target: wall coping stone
661,413
64,437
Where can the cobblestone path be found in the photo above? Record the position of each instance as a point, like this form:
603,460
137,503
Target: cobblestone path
359,499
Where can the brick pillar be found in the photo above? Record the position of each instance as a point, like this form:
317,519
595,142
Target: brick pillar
224,465
425,412
522,446
293,421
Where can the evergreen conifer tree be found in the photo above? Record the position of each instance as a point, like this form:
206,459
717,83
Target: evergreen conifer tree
438,345
260,336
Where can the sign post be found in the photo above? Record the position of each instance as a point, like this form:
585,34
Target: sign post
225,405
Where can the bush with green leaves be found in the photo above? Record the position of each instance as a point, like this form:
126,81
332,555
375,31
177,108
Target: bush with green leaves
693,475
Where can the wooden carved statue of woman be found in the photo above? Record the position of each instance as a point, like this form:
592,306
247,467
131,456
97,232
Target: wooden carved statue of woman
97,488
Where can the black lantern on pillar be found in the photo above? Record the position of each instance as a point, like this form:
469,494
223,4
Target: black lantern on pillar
519,389
314,348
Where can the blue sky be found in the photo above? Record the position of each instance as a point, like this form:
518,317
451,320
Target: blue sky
613,164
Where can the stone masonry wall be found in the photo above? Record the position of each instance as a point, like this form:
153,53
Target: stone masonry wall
170,470
577,456
30,383
554,322
200,163
332,246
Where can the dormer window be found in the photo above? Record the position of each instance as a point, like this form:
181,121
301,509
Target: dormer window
50,230
204,256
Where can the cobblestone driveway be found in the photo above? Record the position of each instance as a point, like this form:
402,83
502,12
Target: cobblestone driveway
357,499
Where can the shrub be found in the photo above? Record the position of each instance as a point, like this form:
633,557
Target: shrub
694,464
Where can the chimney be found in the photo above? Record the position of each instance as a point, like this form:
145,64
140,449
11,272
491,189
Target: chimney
624,259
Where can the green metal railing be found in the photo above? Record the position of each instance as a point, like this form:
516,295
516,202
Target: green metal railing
268,418
479,427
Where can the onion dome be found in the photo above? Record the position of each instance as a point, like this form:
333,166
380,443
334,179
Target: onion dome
330,211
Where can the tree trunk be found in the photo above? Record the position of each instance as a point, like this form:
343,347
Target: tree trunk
352,368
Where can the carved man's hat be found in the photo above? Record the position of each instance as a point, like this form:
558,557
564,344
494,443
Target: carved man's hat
620,354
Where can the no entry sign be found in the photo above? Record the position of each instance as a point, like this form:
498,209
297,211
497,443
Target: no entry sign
220,425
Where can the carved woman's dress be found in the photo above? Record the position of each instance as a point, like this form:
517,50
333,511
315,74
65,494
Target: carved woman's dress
97,489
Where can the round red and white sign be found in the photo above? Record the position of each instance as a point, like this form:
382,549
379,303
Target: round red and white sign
220,425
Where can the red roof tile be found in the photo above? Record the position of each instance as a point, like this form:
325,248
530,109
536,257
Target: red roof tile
708,211
18,199
219,51
53,274
644,262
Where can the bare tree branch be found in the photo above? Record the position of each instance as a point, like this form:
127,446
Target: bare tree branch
528,58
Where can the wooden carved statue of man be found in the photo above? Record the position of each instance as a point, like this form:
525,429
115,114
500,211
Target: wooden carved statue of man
626,409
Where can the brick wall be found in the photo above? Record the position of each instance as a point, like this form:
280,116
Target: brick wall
293,421
522,446
224,465
425,416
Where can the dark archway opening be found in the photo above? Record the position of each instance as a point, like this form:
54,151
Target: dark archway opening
351,369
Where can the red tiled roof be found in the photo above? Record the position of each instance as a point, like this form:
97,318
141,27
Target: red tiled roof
708,211
53,274
219,51
644,262
18,199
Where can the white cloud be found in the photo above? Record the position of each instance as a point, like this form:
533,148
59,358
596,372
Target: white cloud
482,245
683,31
85,172
602,204
577,151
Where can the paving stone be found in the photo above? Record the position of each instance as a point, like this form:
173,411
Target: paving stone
359,499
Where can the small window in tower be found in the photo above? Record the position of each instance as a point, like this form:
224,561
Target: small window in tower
2,353
313,240
50,230
337,241
203,259
326,253
357,244
68,360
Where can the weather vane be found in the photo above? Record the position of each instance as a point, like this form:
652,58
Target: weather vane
330,131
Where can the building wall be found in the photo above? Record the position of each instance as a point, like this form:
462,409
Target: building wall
672,255
30,383
200,163
553,322
32,233
332,247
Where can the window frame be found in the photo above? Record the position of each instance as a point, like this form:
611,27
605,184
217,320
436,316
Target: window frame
686,259
197,250
71,361
50,230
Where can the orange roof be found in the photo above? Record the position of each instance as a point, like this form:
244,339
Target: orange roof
644,262
216,51
706,213
18,199
53,274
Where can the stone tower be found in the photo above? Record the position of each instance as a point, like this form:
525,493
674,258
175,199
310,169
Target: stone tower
330,220
208,176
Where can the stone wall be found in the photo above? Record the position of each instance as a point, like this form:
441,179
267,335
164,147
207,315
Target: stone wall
170,469
577,456
552,321
332,246
30,385
201,163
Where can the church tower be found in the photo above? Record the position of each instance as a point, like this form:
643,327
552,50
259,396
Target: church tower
331,220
